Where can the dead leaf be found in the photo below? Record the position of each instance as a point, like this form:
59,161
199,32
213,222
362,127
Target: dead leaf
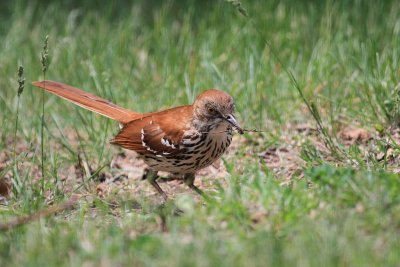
216,164
102,190
380,156
305,128
351,135
5,187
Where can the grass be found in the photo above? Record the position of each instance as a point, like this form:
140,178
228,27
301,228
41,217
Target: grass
317,208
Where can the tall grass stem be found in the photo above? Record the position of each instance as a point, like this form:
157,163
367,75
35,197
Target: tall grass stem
44,61
21,85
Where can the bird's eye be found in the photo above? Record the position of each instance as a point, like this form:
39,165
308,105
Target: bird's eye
211,110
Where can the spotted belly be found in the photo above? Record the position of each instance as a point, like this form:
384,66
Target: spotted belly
198,150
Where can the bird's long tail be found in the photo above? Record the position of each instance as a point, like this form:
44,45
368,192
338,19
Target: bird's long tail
88,101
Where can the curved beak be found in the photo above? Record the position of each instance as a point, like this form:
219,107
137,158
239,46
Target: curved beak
232,120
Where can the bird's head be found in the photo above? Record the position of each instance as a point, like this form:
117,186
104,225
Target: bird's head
214,107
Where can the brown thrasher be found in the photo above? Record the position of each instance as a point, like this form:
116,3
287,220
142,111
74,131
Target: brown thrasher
180,140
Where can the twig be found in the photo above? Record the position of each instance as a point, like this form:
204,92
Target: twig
40,214
244,130
253,131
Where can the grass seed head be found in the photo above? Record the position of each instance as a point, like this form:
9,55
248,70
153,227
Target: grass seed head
45,54
21,80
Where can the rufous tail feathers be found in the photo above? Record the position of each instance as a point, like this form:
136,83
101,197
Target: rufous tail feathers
88,101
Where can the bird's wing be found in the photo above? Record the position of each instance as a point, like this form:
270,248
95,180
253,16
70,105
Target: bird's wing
158,133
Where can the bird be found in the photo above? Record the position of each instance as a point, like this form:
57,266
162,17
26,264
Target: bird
179,140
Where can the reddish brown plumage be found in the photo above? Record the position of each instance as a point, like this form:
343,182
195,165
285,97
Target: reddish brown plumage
179,140
157,125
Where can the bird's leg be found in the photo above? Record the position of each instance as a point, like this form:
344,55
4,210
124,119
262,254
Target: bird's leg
189,181
152,176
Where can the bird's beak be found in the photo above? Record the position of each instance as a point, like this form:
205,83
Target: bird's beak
231,119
